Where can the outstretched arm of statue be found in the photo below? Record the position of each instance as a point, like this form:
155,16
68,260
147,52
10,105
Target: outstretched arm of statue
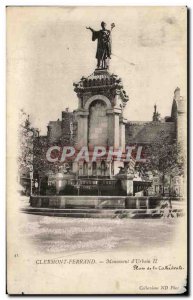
90,29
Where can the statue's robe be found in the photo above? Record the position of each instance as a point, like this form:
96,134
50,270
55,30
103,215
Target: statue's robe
104,44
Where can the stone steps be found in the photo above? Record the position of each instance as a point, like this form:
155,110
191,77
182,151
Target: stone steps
101,213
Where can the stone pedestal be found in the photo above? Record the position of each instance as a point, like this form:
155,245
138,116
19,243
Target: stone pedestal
62,179
129,185
60,184
100,113
126,183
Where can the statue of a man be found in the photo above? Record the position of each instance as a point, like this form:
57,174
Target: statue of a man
103,53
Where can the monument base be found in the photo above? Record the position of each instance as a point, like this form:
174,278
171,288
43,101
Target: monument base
104,207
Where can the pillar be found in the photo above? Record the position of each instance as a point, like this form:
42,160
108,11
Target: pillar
113,127
116,130
122,123
82,118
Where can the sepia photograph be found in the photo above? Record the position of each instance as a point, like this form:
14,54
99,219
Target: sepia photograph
97,150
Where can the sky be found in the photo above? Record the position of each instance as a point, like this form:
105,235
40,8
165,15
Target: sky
49,48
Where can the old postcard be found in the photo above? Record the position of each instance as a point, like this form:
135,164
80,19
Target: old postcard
97,150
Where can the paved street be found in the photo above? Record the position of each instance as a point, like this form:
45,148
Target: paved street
56,235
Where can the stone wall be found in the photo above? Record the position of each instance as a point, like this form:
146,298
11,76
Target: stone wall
147,132
63,131
68,127
54,131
